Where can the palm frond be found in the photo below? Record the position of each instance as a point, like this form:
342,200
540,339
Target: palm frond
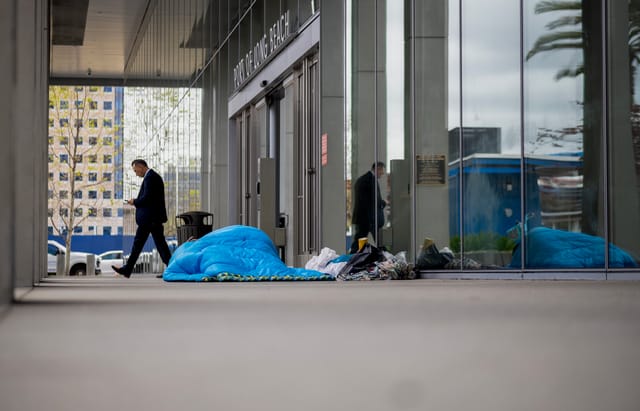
565,21
571,73
552,47
556,40
547,6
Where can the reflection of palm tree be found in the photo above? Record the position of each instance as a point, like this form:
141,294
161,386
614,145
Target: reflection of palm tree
580,28
634,39
569,37
567,34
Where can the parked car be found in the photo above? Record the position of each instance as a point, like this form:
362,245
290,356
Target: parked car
109,258
77,259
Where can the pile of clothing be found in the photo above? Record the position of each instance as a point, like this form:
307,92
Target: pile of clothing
369,263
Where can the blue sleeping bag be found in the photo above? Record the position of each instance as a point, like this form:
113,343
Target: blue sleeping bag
549,248
234,253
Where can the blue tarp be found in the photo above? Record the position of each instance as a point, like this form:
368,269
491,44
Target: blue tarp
233,253
549,248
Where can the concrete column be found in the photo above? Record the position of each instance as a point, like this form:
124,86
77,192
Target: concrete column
23,166
428,81
333,193
624,187
30,169
8,49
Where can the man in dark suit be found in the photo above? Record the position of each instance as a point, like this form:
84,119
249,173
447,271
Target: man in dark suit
368,205
151,213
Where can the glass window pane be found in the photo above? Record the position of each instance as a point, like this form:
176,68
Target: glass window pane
292,7
272,13
305,10
367,188
564,161
490,172
624,138
454,130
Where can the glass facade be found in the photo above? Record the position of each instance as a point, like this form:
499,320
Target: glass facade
511,143
510,140
179,78
77,165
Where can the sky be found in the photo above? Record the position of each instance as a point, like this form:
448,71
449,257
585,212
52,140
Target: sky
491,72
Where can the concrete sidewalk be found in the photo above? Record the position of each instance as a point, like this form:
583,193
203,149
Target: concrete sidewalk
143,344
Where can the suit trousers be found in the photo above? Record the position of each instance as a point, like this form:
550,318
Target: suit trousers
142,233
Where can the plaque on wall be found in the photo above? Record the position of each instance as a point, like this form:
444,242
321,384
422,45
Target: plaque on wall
430,170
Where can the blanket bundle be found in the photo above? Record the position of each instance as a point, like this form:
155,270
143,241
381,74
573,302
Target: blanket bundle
234,253
549,248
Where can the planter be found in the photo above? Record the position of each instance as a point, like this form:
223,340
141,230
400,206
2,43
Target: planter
490,257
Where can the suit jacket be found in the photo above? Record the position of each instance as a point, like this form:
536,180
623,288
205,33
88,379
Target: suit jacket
368,203
150,206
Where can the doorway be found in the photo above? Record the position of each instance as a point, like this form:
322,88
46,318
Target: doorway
283,126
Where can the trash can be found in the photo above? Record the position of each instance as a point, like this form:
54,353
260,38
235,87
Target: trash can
192,225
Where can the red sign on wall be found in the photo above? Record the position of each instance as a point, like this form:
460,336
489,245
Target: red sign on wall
324,150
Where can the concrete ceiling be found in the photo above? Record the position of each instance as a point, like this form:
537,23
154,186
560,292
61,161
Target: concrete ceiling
103,39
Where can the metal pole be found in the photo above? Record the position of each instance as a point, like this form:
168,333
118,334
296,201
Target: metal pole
60,265
91,265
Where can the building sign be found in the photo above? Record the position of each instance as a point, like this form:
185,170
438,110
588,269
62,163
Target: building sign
268,44
430,170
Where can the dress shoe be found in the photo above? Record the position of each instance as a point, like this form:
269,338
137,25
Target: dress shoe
121,271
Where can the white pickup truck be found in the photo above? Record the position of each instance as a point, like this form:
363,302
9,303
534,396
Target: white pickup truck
77,260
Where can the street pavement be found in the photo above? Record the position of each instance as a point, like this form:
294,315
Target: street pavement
108,343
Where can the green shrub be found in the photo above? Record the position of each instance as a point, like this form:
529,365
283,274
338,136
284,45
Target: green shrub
482,241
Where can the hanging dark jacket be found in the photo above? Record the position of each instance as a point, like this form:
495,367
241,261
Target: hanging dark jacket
368,203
